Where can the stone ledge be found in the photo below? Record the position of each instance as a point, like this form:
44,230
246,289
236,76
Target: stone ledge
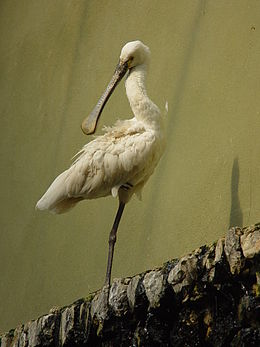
210,297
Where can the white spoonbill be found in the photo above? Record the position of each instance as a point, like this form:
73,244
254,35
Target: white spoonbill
119,162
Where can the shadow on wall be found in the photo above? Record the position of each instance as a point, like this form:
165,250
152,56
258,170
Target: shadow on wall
236,215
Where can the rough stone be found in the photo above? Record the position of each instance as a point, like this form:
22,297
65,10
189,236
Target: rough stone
219,251
208,264
17,333
118,296
233,250
42,332
154,287
131,291
34,332
6,340
211,297
250,242
67,324
23,338
74,324
183,273
99,304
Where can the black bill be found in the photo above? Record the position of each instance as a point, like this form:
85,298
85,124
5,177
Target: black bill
89,124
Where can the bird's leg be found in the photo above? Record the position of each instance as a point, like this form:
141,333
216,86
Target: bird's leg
112,241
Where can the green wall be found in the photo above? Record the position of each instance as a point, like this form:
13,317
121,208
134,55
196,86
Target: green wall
56,58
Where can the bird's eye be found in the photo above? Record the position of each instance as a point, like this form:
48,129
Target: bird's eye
129,62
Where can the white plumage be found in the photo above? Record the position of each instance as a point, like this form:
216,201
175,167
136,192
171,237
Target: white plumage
127,153
119,162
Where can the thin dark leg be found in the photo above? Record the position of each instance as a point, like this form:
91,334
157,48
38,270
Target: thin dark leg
112,241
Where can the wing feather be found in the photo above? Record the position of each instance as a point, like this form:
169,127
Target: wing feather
121,155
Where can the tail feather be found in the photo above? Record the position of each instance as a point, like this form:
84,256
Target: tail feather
65,205
56,198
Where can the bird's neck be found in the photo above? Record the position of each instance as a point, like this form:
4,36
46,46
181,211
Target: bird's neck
143,108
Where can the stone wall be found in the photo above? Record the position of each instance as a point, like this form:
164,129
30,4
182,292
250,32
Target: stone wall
210,297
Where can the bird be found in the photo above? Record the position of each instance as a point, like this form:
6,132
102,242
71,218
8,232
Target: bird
120,161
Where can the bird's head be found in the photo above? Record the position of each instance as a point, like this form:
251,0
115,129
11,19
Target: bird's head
133,53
